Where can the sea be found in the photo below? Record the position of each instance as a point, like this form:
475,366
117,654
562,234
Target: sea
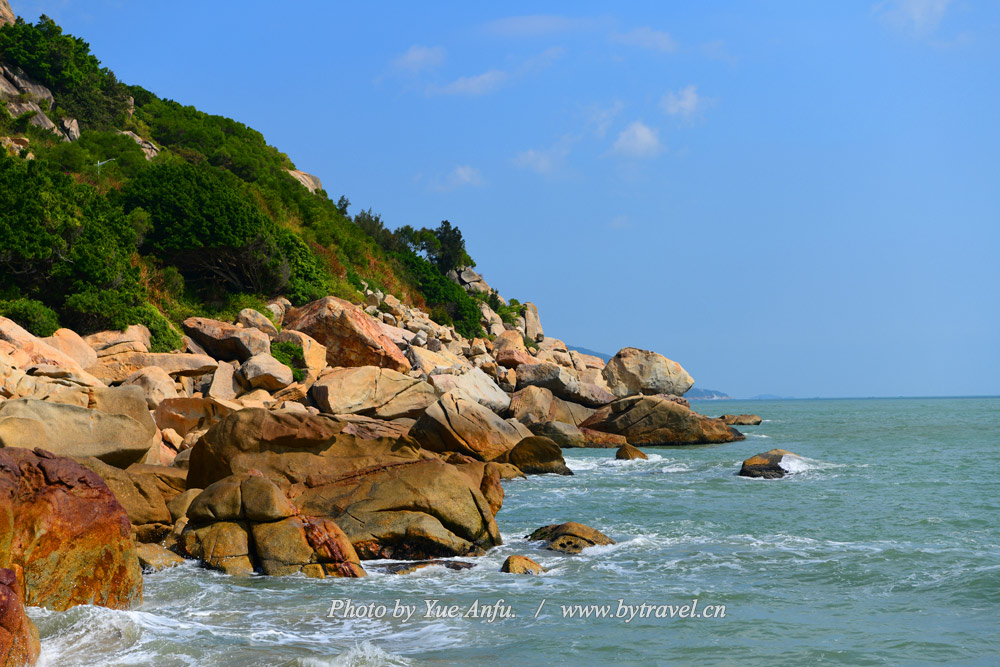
881,547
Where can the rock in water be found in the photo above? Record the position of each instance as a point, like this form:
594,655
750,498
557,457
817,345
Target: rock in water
570,538
741,420
633,371
658,420
629,453
767,465
67,532
18,635
521,565
537,456
351,337
456,423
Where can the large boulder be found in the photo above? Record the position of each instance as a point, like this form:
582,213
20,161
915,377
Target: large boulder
70,342
135,338
570,538
118,367
658,420
155,383
509,350
252,319
185,415
313,353
537,456
535,405
224,341
6,16
351,337
63,527
741,420
139,495
19,644
554,351
475,384
563,434
372,391
532,323
562,382
633,371
35,351
456,423
69,430
629,453
769,465
391,498
262,371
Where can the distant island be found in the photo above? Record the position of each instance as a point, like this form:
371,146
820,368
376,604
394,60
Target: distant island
700,394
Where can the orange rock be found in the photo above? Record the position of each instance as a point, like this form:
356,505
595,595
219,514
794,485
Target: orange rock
18,635
67,533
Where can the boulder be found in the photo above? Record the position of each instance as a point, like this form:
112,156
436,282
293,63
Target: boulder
769,465
313,354
351,337
178,507
135,338
153,557
537,456
169,481
224,384
373,392
313,546
521,565
741,420
63,527
118,367
554,351
241,497
456,423
223,546
36,351
633,371
428,362
570,538
224,341
308,181
509,350
69,430
71,344
19,644
475,384
391,498
139,495
185,415
535,405
629,453
155,383
656,420
7,16
532,323
564,435
563,383
252,319
262,371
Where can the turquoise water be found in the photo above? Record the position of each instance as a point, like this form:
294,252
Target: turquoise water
884,549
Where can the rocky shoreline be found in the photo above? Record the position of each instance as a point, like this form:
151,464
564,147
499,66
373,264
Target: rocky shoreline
298,441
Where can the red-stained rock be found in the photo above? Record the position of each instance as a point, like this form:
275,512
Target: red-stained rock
509,350
62,526
351,337
18,635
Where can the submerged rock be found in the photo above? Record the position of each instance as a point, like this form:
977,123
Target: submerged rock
629,453
521,565
767,465
741,420
570,538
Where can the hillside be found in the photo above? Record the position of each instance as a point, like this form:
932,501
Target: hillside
121,208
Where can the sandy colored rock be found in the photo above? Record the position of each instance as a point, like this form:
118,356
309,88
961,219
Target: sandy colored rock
118,367
169,481
372,391
564,383
7,16
252,319
135,338
178,507
600,440
224,341
656,420
509,350
313,353
155,383
64,528
570,538
521,565
532,323
633,371
534,405
767,465
563,434
139,495
19,644
224,384
262,371
317,547
35,350
475,384
351,337
68,430
629,453
456,423
185,415
223,546
70,343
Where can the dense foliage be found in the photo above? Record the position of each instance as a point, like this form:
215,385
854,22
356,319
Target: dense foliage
94,235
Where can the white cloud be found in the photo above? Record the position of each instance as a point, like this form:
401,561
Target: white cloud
601,117
638,140
479,84
647,38
546,160
685,102
418,58
543,59
537,24
464,175
921,17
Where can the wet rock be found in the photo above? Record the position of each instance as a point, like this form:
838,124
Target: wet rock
768,465
65,530
153,557
629,453
521,565
570,538
537,456
411,567
741,420
19,644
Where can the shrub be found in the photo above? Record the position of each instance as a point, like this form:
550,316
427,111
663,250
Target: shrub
290,354
33,315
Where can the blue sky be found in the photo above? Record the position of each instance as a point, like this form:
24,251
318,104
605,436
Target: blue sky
786,197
